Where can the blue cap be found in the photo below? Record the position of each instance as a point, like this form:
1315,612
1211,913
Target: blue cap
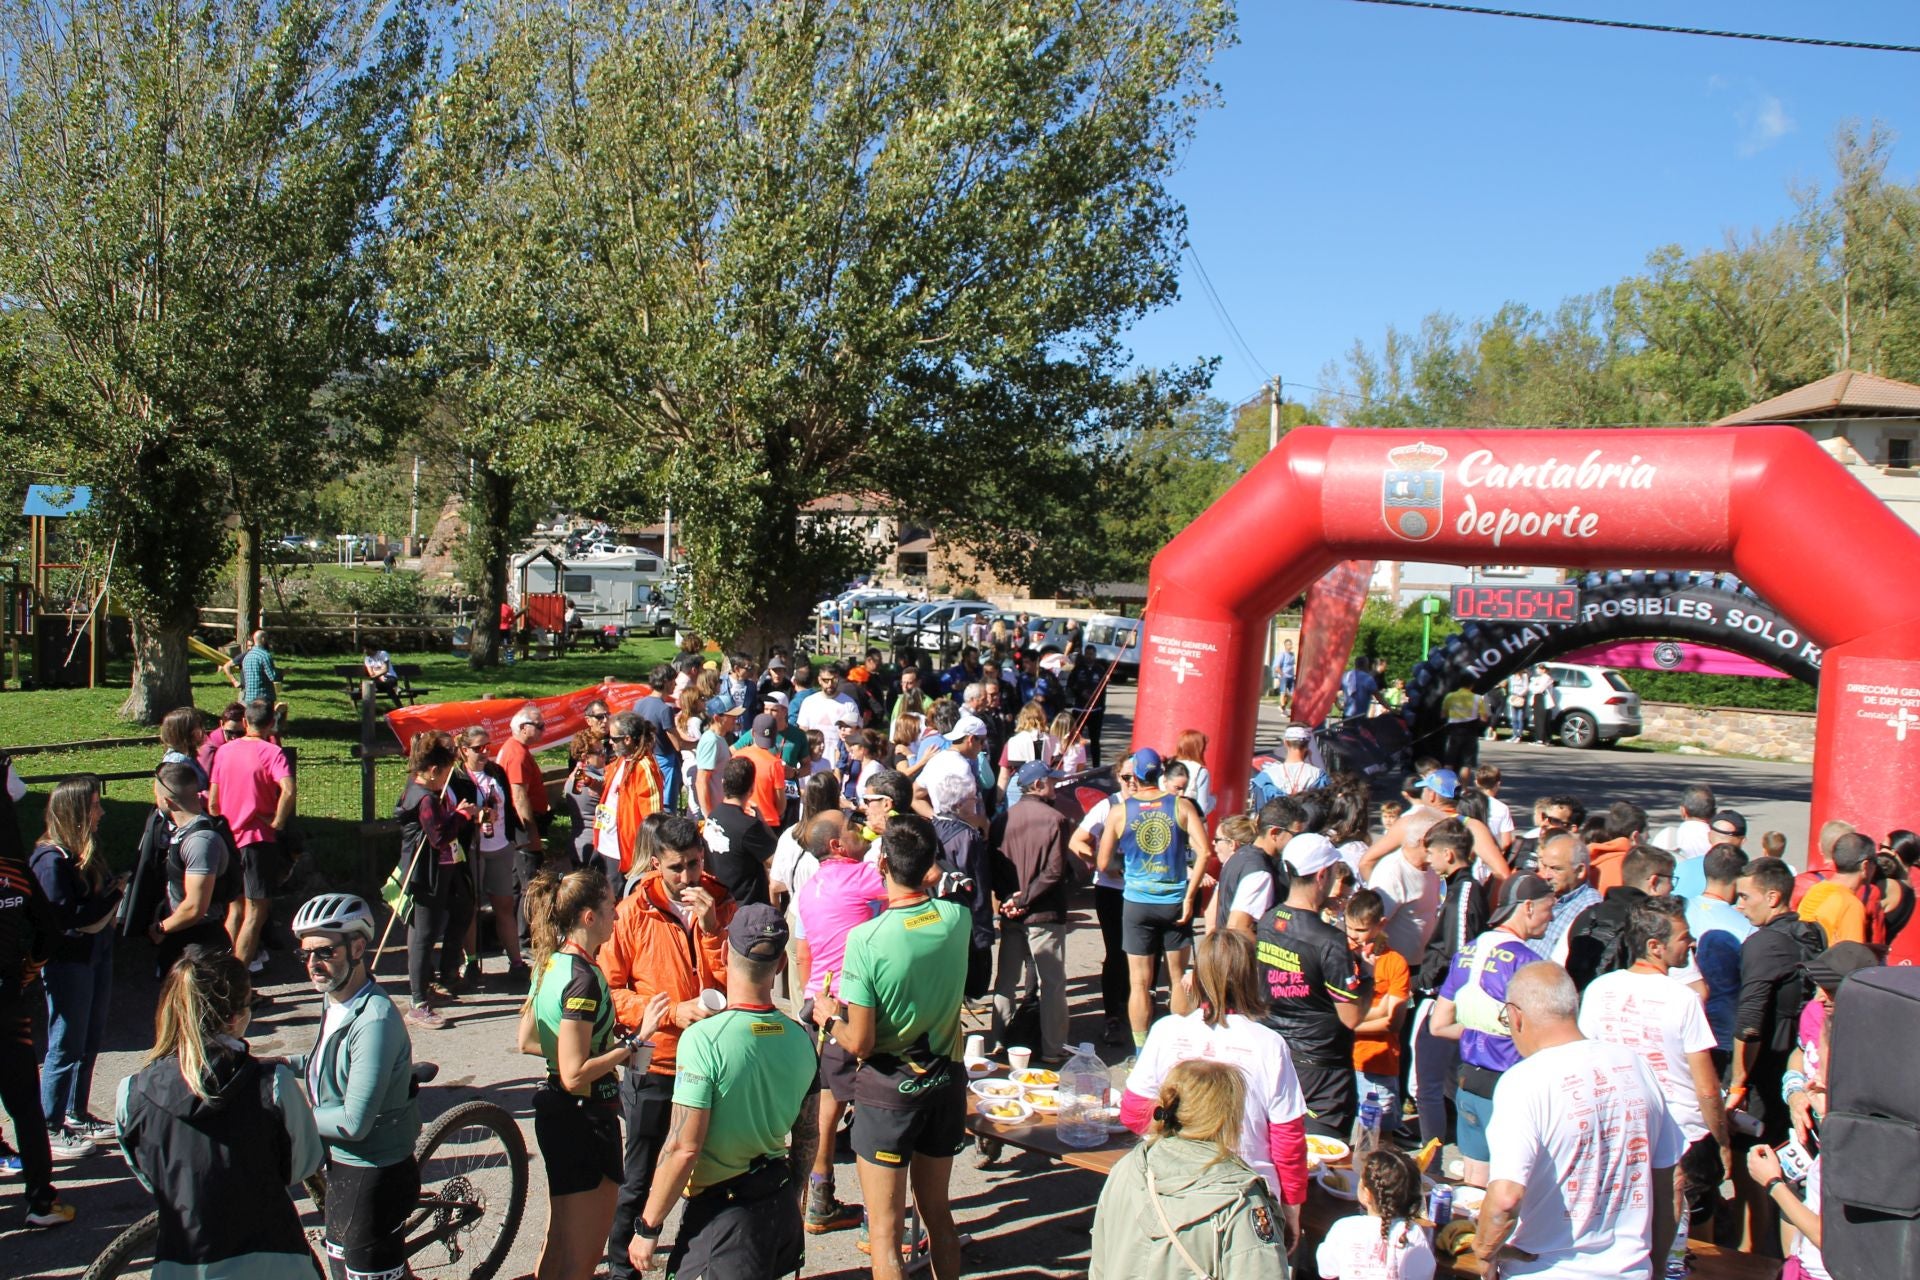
1442,782
1146,765
1034,772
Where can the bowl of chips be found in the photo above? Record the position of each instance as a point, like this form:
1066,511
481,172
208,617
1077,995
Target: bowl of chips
1032,1078
1008,1111
999,1090
1044,1101
1325,1151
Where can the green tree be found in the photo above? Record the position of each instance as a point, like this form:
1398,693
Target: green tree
190,247
747,255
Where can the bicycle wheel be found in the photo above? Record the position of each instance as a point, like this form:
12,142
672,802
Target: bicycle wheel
473,1191
130,1253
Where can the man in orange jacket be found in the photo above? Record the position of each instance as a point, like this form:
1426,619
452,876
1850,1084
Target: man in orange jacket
632,791
670,935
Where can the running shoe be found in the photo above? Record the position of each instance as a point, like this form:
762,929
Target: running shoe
57,1214
425,1017
825,1213
10,1166
69,1145
92,1127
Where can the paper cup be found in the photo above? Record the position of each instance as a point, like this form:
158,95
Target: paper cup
976,1049
1019,1058
713,1001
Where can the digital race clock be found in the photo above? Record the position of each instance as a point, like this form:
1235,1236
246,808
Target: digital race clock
1517,604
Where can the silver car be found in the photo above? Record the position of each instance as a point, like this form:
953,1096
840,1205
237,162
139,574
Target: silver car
1593,706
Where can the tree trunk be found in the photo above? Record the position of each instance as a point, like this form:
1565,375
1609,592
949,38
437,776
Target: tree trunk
246,598
160,678
490,542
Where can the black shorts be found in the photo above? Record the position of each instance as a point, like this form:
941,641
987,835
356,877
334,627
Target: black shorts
1332,1097
262,869
1150,929
723,1238
837,1067
900,1113
367,1210
1702,1173
579,1141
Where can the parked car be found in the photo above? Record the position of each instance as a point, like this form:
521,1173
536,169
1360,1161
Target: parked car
941,629
1597,707
883,626
1116,640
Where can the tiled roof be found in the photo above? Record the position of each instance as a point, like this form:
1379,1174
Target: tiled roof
1841,395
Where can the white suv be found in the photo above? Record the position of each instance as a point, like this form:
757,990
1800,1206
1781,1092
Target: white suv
1595,706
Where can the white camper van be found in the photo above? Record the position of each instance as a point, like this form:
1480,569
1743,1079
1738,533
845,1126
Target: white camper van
606,590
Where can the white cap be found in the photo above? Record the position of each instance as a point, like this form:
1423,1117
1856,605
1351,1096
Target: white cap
969,726
1309,853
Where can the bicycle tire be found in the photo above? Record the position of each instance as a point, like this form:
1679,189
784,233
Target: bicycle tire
426,1236
128,1252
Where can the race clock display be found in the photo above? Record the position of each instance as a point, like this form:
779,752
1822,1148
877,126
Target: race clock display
1481,603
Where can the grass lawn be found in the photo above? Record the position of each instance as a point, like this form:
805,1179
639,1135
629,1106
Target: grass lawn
323,726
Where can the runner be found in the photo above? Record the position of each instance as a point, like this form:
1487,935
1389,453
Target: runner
1157,840
903,982
359,1075
742,1131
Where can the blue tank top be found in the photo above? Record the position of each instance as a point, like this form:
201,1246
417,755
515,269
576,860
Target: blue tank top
1154,848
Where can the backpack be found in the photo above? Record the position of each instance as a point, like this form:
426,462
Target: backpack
1598,944
230,884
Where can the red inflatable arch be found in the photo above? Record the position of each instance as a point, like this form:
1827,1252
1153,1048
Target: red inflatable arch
1763,502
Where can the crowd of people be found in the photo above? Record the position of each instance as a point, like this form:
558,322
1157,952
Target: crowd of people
779,896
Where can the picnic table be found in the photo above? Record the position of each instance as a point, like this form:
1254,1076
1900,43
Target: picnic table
1039,1135
406,673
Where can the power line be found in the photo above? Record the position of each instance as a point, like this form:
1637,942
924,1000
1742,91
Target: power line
1661,28
1226,319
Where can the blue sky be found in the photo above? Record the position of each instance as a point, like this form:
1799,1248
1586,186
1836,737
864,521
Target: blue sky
1372,164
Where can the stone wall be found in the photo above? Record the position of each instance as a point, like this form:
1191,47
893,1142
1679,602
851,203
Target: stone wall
1776,735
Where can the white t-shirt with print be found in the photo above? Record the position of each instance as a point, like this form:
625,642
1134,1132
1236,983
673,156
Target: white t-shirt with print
1499,818
1581,1126
1273,1091
1095,825
1353,1250
1662,1020
1413,901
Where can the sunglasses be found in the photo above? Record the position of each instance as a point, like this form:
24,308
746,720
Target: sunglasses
596,715
325,954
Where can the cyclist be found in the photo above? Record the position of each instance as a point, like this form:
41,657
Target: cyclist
205,1123
360,1077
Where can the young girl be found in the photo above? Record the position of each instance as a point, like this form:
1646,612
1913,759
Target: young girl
1389,1244
432,825
1072,751
568,1020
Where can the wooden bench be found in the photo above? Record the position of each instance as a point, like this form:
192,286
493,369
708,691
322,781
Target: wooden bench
405,694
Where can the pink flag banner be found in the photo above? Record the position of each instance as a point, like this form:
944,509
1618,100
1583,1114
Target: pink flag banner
1673,655
564,714
1327,629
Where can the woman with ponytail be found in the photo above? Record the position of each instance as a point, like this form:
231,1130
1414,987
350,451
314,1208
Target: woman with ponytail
204,1123
1182,1203
569,1021
84,894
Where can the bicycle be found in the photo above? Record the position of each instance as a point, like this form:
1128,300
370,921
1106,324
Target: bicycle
473,1193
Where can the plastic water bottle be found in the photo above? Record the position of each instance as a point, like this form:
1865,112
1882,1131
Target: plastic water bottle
1083,1090
1677,1263
1366,1130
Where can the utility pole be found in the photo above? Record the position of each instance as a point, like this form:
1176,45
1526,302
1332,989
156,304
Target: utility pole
1273,417
413,527
1273,442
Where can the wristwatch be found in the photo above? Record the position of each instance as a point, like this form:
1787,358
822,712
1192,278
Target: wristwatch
645,1232
1772,1183
826,1028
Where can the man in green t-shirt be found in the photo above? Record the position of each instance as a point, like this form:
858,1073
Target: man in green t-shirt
789,743
903,980
745,1086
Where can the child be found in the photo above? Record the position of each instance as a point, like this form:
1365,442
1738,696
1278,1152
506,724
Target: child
1376,1041
1774,844
1396,1247
816,761
1390,813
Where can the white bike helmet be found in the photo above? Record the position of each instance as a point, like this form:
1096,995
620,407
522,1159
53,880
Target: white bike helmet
336,913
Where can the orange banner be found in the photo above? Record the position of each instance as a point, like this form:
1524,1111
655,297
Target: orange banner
564,714
1331,621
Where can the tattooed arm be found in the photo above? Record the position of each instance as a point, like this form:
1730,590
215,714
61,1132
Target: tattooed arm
686,1134
805,1142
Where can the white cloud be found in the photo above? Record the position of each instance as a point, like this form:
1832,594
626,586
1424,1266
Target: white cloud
1763,122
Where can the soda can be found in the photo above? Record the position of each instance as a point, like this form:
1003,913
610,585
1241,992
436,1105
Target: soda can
1440,1205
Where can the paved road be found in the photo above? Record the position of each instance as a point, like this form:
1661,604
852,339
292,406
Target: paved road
1029,1219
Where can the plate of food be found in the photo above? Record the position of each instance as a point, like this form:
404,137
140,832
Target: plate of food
1004,1110
1108,1116
978,1068
1325,1151
1035,1077
1044,1101
1337,1183
1467,1202
999,1090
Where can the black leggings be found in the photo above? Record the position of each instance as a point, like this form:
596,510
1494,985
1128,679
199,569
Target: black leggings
440,917
20,1094
1109,905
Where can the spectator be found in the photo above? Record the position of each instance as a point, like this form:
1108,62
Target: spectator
438,879
1030,742
259,677
1543,703
1398,1247
1463,917
483,784
252,788
183,734
1693,835
1626,826
1376,1041
1191,748
633,793
827,710
1644,1009
669,937
966,742
1902,847
1690,874
378,664
1109,905
233,724
1245,890
1316,990
1596,943
1397,866
711,757
1359,690
1188,1172
667,743
1226,1028
1718,931
741,865
1559,1202
1029,843
1563,862
83,893
1469,1009
793,861
774,759
1499,813
1835,904
532,811
200,880
586,783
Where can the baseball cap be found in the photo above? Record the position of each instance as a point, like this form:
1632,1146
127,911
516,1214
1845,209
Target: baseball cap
720,708
1525,887
758,932
1297,733
1033,772
777,663
763,726
1830,968
968,726
1309,853
1147,765
775,697
1442,782
1728,822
